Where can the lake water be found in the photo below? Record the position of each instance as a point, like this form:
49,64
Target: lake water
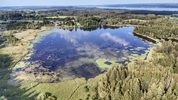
69,54
134,8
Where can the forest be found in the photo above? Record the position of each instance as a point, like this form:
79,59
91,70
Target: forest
160,28
152,79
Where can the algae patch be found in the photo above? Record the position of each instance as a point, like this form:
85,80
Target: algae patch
124,58
102,63
139,48
134,57
62,31
20,65
126,62
40,35
30,46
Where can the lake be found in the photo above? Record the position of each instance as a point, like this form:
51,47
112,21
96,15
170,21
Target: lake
134,8
61,54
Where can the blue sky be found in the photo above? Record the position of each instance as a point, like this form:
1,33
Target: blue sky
77,2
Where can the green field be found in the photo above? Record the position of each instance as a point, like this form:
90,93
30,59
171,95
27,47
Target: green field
171,17
67,26
136,20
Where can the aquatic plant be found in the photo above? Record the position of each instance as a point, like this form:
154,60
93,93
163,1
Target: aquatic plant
102,65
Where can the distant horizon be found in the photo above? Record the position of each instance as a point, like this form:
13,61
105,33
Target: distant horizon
82,5
80,2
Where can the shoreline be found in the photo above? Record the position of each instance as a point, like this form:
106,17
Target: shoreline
20,50
151,51
72,84
120,25
45,28
147,38
33,36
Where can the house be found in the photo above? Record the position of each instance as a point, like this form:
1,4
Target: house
58,22
72,20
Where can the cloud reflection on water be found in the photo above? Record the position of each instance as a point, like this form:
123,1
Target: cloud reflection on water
73,38
114,38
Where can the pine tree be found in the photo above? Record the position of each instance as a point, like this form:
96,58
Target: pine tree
164,97
117,94
136,90
149,94
126,96
154,90
160,92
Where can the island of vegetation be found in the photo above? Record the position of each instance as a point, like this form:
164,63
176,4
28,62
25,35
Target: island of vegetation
152,79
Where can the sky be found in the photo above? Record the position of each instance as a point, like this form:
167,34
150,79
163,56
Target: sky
76,2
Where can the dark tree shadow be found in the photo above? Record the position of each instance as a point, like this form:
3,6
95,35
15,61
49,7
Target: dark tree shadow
8,91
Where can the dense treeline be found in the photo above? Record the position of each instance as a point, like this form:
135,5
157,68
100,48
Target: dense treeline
138,16
9,15
145,82
23,25
19,16
110,20
130,19
89,21
142,80
169,55
159,28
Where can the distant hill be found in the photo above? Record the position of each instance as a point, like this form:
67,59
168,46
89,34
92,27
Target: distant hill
82,7
151,5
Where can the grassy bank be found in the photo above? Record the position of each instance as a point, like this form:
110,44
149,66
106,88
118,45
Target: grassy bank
15,53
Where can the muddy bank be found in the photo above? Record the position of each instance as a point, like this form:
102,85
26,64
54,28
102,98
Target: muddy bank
153,40
145,37
173,40
149,56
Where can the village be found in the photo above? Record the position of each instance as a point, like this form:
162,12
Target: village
58,23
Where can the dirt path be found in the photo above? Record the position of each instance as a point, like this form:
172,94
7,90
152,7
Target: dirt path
74,92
